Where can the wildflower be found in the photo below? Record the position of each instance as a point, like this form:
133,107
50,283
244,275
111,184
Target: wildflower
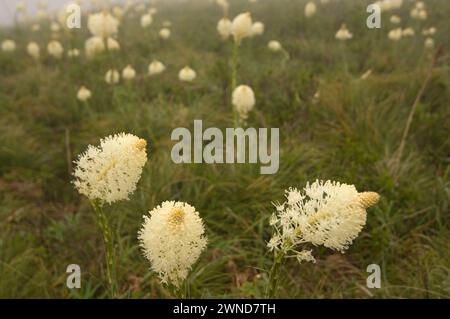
103,24
55,27
429,43
395,34
156,67
224,28
118,12
395,19
172,238
343,34
55,49
430,31
187,74
241,27
94,46
8,46
110,172
310,9
408,32
112,76
112,44
324,213
244,100
146,20
83,94
274,46
257,28
73,53
128,73
305,255
33,50
164,33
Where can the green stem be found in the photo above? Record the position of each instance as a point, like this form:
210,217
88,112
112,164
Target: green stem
102,222
179,292
234,67
275,274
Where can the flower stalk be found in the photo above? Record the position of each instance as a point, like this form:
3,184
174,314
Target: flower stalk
234,67
274,275
102,222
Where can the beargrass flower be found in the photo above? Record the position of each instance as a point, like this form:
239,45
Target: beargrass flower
186,74
243,99
109,173
83,94
55,49
172,238
156,67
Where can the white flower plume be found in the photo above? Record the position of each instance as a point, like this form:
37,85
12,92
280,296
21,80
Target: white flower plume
172,238
110,172
323,213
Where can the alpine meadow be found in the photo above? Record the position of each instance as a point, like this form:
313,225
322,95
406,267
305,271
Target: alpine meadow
225,149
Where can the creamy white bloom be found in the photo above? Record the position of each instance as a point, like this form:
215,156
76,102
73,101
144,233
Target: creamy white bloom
128,73
257,28
55,27
343,34
172,238
33,50
224,28
84,94
387,5
110,172
323,213
429,43
146,20
118,12
8,45
310,9
419,14
274,46
156,67
164,33
395,34
112,76
94,46
408,32
420,5
103,24
186,74
241,27
429,31
73,53
112,44
395,19
152,11
243,99
55,49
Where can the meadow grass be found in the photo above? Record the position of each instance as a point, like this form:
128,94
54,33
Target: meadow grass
350,134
